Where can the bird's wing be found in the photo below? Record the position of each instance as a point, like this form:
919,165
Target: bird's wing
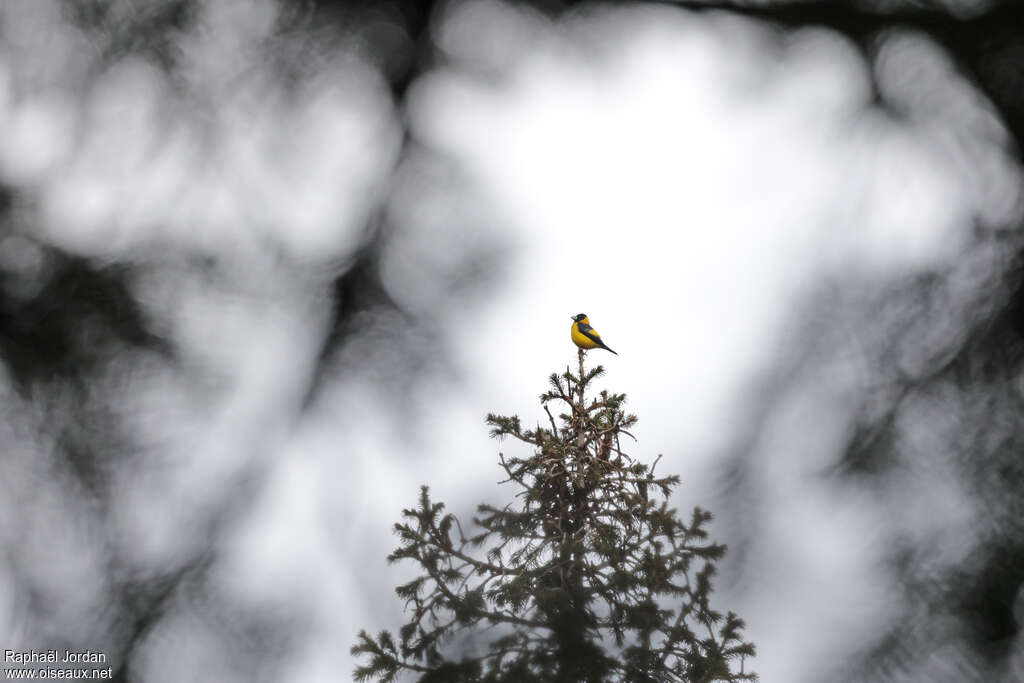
590,333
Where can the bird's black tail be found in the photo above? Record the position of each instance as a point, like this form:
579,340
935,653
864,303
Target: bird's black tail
605,347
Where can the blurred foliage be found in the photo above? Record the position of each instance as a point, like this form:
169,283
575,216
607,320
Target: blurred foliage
65,318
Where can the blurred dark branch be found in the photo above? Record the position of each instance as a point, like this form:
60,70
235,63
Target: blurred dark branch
147,602
359,286
76,319
358,289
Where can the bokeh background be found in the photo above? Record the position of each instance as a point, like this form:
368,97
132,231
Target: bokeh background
265,267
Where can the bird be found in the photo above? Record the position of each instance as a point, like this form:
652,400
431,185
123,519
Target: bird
585,336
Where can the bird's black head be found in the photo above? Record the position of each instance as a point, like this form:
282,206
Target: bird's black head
580,317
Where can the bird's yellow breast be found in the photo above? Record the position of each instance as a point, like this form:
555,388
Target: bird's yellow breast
581,340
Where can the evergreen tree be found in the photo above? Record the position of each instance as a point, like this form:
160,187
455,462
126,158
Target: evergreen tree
587,575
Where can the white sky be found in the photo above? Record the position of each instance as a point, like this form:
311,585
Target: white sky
690,181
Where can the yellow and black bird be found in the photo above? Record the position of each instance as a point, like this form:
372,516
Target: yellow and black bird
585,336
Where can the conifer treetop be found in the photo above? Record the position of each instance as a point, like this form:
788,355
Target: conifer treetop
587,574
